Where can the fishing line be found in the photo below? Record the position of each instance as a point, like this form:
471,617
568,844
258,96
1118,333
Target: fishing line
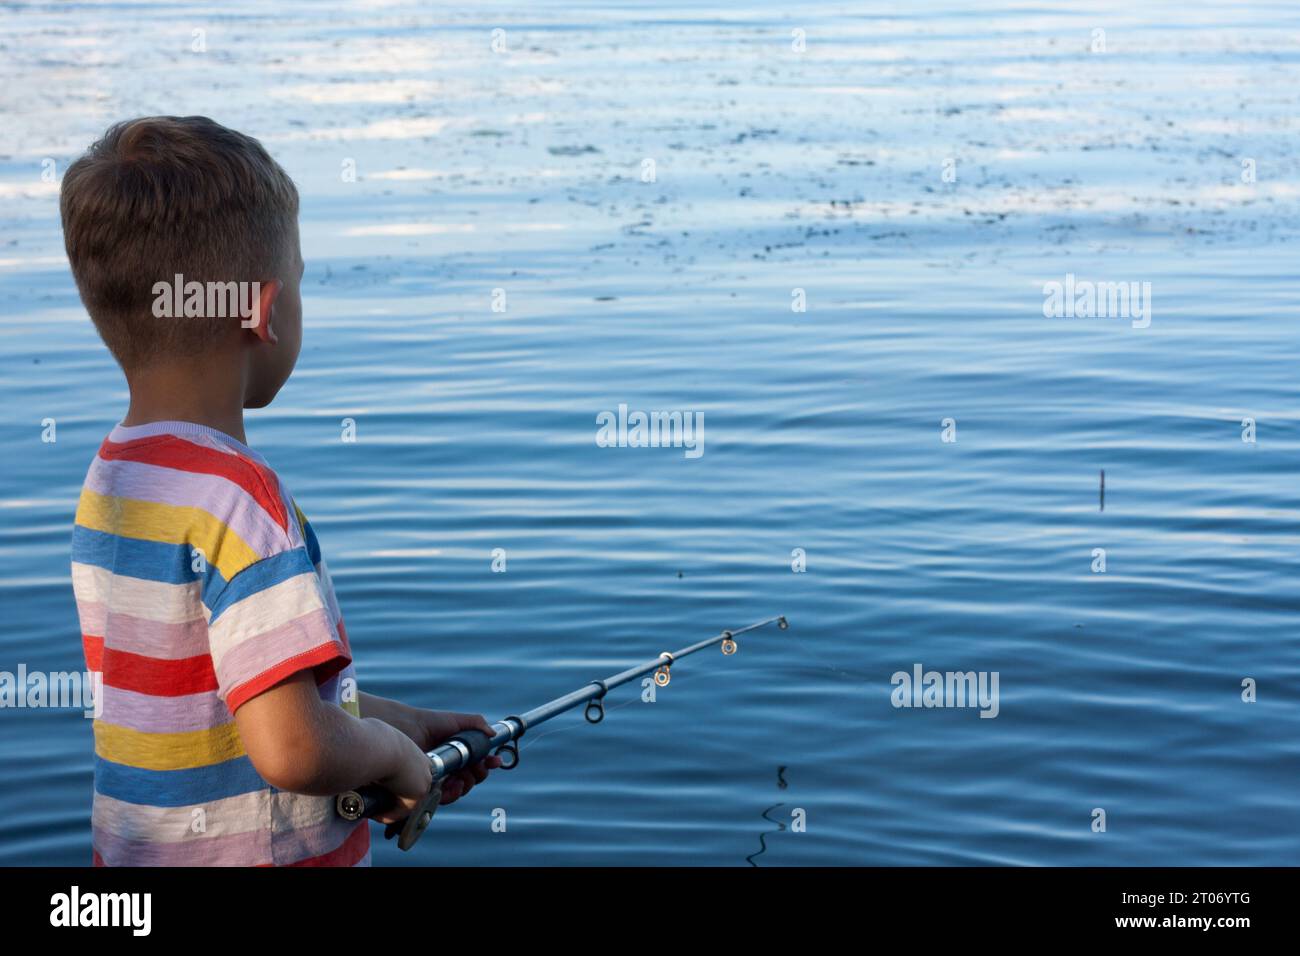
533,739
837,670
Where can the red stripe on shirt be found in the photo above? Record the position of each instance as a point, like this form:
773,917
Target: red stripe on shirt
325,660
152,675
93,648
349,853
168,451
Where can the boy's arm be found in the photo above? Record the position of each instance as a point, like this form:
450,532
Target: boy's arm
299,743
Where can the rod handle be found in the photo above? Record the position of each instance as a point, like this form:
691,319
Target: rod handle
372,799
368,801
476,742
478,745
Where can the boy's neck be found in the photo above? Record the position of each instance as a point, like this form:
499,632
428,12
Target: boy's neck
202,396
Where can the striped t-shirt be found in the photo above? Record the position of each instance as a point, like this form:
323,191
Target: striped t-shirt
199,585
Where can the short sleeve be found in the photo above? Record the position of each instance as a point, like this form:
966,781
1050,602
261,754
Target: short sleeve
267,623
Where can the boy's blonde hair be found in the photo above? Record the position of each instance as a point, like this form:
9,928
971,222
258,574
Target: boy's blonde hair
162,196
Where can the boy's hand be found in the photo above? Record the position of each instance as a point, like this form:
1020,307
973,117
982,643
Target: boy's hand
411,781
433,727
429,728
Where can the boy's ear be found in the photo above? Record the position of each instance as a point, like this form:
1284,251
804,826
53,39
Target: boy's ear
259,323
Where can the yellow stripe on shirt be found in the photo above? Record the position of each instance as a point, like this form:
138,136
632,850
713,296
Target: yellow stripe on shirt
177,751
168,524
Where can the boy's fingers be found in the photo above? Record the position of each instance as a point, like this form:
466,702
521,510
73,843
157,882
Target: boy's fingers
451,790
472,722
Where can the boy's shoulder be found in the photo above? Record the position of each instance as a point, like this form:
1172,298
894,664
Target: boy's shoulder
186,527
188,486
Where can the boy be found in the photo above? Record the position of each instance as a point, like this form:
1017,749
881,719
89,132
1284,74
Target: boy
230,716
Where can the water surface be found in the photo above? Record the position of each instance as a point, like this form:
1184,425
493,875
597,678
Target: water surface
774,171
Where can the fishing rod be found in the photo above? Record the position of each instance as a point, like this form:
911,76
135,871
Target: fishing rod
468,747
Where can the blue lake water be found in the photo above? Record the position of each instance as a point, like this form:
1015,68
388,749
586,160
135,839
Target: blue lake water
524,169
